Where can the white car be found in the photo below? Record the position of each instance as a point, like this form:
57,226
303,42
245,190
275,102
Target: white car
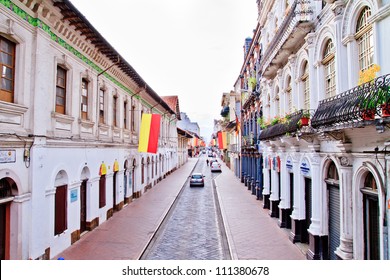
216,167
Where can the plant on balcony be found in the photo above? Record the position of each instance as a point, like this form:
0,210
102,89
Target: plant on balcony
263,123
252,82
305,117
275,120
369,103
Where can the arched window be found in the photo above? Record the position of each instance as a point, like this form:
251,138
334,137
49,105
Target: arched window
329,66
306,86
364,39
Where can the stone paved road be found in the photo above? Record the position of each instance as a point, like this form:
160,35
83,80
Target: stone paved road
192,230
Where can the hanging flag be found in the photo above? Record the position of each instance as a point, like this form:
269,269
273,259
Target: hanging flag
238,126
222,140
149,132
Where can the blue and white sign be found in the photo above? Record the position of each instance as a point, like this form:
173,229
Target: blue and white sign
289,164
73,195
305,168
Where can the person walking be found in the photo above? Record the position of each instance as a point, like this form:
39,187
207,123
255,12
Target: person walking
207,162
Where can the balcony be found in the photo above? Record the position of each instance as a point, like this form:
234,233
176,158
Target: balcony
356,107
289,37
292,125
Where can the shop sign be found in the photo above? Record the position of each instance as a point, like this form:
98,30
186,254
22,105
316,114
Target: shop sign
73,195
7,156
289,164
305,168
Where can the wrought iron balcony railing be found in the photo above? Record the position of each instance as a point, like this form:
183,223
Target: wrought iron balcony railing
350,108
290,126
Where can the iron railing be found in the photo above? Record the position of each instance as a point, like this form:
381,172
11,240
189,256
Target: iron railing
352,106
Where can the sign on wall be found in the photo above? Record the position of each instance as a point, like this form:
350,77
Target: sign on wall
305,168
73,195
289,164
7,156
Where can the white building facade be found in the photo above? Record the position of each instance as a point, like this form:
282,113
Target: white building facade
327,181
70,112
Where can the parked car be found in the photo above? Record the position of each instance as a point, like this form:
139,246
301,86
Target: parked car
197,179
216,167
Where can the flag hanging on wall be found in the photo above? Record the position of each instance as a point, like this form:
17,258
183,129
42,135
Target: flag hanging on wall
149,132
222,140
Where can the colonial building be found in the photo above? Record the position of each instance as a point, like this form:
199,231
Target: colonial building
70,112
326,179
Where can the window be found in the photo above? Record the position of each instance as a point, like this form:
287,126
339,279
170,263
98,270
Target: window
114,101
101,106
102,191
60,209
329,67
84,99
132,118
364,38
61,90
7,64
125,125
289,96
306,86
142,171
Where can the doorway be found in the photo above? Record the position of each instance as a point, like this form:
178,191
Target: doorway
83,206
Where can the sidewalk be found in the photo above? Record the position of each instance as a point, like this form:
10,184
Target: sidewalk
128,232
251,232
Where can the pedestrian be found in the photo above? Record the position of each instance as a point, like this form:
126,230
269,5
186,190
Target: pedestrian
207,161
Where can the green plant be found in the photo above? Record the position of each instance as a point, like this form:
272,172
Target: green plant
275,120
252,83
306,114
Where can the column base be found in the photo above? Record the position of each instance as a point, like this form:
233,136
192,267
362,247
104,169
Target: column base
274,213
318,247
284,218
298,231
266,201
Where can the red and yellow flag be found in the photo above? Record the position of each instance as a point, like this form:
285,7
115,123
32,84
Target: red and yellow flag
222,140
149,132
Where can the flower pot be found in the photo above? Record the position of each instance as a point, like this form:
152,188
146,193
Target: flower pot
304,121
385,110
368,114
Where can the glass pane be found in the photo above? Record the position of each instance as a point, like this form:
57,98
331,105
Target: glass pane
6,59
7,72
60,92
6,46
60,101
6,84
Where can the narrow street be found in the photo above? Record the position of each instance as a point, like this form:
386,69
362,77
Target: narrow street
193,228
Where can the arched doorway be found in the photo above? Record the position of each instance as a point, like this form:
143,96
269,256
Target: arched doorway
85,174
7,186
333,202
371,218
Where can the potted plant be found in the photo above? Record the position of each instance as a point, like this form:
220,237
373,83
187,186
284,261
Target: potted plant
369,101
305,118
384,100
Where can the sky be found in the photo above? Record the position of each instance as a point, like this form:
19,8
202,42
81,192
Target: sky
189,48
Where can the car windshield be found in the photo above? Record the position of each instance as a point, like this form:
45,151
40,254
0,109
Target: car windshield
197,176
215,163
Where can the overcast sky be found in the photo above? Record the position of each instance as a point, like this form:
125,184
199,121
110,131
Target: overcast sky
189,48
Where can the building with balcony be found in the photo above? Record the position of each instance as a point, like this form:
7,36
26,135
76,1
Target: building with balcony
324,179
70,112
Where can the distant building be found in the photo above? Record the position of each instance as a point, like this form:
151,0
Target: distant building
186,124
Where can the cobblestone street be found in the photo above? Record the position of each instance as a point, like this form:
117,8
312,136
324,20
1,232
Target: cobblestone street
192,230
